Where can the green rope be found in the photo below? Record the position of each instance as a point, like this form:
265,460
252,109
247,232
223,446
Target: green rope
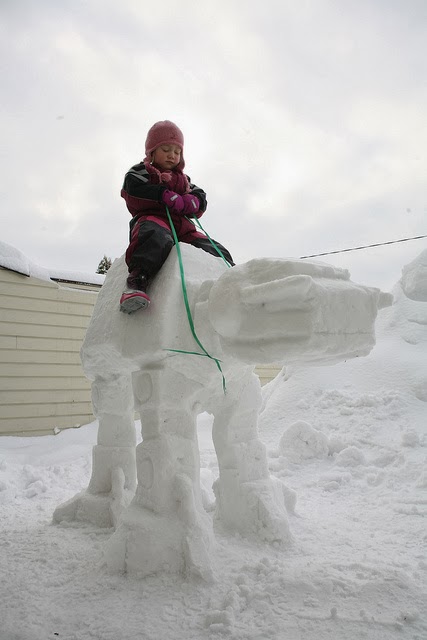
192,353
215,246
187,307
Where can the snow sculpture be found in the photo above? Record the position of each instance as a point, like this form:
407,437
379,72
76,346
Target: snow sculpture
259,312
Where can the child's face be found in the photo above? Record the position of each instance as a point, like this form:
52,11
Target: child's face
167,156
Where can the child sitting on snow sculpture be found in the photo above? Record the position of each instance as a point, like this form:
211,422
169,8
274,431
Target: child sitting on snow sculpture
150,188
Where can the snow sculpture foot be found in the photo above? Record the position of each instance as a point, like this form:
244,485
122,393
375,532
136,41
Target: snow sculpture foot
258,509
102,510
147,542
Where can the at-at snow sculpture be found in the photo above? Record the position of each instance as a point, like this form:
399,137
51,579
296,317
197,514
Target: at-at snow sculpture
259,312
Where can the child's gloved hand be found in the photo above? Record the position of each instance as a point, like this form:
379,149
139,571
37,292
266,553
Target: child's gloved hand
191,204
173,201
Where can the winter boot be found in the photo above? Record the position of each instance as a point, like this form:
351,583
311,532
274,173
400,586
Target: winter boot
134,297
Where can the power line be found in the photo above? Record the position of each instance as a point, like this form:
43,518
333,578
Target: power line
366,246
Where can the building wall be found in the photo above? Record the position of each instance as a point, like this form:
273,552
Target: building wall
267,372
42,326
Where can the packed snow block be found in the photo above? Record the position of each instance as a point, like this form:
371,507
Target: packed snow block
153,362
293,311
246,459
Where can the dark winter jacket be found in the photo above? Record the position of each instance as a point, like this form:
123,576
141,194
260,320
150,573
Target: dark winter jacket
143,188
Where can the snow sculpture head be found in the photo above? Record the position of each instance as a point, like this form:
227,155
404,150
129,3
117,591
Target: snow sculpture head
291,310
262,311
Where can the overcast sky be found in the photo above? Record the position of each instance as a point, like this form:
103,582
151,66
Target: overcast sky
305,121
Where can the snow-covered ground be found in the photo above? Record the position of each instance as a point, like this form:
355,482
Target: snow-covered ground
350,439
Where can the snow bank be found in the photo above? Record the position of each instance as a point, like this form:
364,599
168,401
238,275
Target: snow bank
414,278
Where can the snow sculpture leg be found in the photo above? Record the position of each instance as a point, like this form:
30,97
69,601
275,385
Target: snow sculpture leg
249,500
165,528
113,481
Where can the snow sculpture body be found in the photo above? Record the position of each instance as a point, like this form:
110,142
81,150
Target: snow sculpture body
259,312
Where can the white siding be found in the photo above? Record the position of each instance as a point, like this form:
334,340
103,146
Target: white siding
42,326
267,372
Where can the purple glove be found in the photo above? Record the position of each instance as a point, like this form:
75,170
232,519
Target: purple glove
173,201
191,205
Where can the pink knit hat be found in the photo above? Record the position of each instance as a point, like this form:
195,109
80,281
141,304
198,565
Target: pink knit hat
164,132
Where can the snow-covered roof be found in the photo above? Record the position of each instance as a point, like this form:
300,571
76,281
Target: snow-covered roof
14,260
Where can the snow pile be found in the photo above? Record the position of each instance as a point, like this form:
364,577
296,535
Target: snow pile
300,441
414,278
